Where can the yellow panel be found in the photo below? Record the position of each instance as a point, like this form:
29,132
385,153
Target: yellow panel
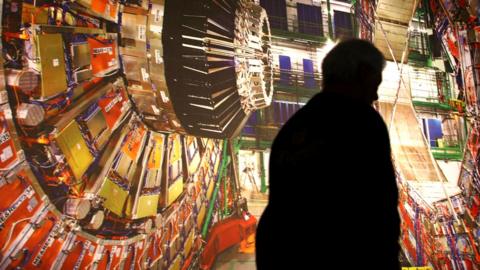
211,186
81,55
73,146
176,153
189,243
176,264
54,79
147,206
194,164
96,124
201,216
174,191
115,197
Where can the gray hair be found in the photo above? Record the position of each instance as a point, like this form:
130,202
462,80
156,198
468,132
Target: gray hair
343,63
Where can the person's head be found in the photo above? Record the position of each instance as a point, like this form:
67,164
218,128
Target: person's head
353,68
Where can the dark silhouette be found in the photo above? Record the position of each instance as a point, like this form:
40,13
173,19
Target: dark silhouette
333,194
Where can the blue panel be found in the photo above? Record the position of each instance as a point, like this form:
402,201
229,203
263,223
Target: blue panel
309,79
249,130
343,24
252,120
277,13
285,70
435,131
309,19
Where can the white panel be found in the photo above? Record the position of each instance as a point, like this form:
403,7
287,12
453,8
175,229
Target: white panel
396,35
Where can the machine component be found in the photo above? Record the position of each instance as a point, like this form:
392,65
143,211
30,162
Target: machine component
107,9
115,105
18,13
144,202
145,227
209,183
73,146
156,68
126,160
96,220
140,3
201,215
218,241
25,254
146,102
176,264
50,249
153,175
254,66
34,15
77,208
50,54
110,257
83,75
207,104
27,81
30,114
134,35
81,61
125,168
154,259
115,196
96,126
189,241
104,56
18,194
80,55
172,187
79,255
192,154
172,239
110,170
136,69
144,205
20,235
23,209
155,17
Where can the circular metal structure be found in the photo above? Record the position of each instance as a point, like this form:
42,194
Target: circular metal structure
253,60
217,64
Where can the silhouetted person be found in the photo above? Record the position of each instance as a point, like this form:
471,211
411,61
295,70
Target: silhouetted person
333,193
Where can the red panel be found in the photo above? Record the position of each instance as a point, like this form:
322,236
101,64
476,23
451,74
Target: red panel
36,243
81,254
225,234
112,107
104,56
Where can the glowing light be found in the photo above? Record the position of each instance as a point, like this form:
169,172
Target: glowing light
321,52
329,45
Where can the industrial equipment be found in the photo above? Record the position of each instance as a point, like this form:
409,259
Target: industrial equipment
102,109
